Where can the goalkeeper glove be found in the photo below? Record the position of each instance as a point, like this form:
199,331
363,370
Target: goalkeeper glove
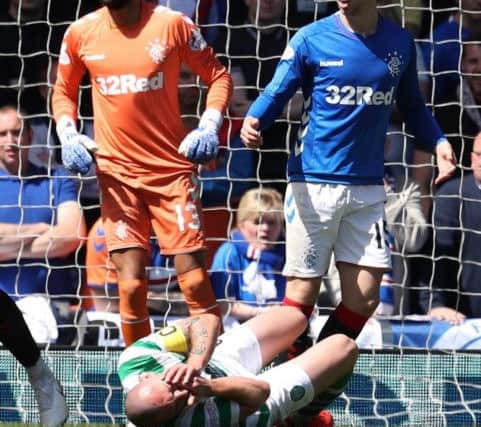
202,144
77,149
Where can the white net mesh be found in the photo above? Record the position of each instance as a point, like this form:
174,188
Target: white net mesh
30,35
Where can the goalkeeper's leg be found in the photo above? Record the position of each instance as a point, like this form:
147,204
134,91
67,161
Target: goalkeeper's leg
134,315
195,284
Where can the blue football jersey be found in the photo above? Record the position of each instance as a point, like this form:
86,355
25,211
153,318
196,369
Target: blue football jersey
350,84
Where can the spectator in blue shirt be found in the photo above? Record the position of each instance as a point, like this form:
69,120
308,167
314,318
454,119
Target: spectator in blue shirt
460,113
41,221
443,55
247,269
455,292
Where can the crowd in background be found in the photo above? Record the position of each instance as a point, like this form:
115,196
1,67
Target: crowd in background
434,232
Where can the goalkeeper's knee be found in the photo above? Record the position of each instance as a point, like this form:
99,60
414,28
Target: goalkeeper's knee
197,290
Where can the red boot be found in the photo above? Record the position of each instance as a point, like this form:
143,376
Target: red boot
322,419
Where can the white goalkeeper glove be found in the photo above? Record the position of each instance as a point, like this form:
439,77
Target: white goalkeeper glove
202,144
77,149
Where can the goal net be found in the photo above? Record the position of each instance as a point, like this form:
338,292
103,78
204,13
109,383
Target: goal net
411,369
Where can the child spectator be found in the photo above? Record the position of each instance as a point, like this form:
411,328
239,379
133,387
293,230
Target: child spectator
247,269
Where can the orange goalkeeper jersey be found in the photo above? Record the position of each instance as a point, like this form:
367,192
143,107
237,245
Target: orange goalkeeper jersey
134,72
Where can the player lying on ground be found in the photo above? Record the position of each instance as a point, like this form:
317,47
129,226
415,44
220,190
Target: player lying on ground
161,389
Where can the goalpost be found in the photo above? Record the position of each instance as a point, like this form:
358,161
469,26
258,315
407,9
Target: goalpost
397,386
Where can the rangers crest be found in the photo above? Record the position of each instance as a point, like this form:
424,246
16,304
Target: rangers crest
157,50
394,61
121,230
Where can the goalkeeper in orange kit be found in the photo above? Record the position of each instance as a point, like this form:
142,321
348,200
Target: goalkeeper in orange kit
146,159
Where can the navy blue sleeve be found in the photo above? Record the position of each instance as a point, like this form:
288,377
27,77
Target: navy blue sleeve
418,118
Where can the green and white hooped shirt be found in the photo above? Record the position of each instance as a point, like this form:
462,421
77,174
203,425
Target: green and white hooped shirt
150,355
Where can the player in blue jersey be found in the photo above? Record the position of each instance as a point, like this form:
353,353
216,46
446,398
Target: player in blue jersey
352,67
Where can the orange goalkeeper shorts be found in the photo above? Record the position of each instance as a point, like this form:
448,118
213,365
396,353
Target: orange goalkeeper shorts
132,208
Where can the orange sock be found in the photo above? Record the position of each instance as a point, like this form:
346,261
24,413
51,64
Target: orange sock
197,289
133,309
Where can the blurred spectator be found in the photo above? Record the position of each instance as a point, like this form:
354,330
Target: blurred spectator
102,277
456,290
247,269
442,54
255,45
24,38
45,147
408,13
226,178
460,113
406,232
41,223
303,12
205,13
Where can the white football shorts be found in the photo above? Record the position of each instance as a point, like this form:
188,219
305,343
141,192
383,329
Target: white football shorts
238,351
322,218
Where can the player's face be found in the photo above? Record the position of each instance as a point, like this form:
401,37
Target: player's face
14,141
263,231
167,398
472,69
115,4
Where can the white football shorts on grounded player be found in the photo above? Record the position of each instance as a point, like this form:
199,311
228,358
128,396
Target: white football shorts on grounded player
239,353
348,220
